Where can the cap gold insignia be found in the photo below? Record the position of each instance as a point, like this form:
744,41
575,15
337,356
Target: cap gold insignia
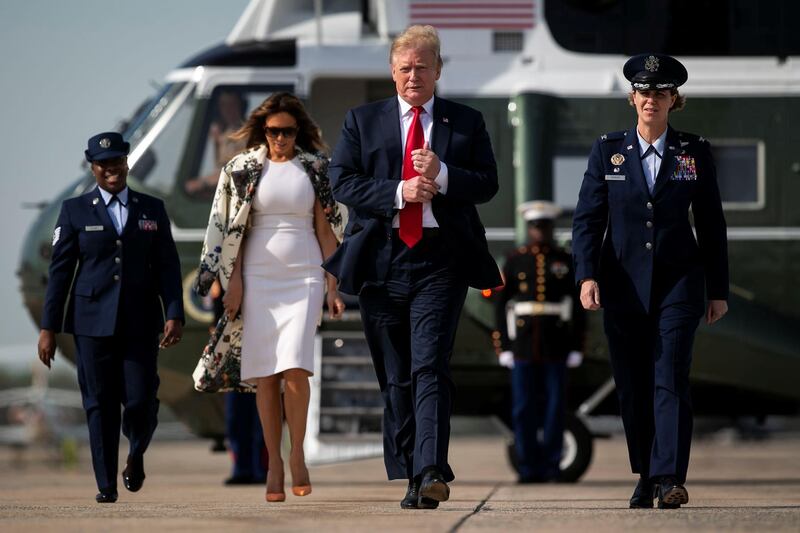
105,142
617,159
651,64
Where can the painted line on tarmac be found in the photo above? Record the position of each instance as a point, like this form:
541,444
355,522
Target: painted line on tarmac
476,510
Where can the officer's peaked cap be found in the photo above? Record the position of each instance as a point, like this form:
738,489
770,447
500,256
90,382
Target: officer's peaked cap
648,72
538,210
106,145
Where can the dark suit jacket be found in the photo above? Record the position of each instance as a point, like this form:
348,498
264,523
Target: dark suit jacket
127,272
610,232
366,169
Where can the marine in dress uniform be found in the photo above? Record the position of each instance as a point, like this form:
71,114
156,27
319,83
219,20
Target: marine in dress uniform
636,256
540,323
114,264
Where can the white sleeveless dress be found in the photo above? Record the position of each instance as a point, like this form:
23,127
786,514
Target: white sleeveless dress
283,277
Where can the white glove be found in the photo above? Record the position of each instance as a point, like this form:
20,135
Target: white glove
574,359
506,359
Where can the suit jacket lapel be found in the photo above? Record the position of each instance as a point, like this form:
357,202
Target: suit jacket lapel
391,131
440,141
669,160
633,162
101,211
133,212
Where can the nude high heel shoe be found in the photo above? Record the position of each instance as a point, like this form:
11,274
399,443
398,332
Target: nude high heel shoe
273,497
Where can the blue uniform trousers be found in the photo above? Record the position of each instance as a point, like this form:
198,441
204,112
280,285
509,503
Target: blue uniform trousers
410,323
246,440
651,356
112,372
537,391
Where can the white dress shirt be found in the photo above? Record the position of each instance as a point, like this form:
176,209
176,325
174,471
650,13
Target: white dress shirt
652,162
426,117
117,211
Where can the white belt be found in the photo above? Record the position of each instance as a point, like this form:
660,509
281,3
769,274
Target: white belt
563,310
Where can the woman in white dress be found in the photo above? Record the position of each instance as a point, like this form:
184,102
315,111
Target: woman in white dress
276,279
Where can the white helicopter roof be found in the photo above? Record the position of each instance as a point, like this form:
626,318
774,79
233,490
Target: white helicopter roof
339,38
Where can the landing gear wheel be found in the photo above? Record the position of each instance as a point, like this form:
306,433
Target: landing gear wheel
577,453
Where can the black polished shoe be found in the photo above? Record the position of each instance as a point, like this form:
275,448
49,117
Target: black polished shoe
133,475
244,480
106,496
433,486
670,493
413,501
643,495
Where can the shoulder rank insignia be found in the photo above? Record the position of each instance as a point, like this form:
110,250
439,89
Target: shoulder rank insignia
56,235
617,159
603,137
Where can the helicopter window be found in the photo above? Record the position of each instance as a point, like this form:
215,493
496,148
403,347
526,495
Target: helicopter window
568,168
158,165
740,172
676,27
227,110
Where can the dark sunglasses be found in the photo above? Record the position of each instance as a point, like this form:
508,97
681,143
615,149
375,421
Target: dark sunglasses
288,133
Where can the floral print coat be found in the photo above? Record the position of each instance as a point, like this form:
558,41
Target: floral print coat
218,368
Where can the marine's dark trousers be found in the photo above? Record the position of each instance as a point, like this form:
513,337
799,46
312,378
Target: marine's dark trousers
245,437
538,402
112,372
410,324
651,356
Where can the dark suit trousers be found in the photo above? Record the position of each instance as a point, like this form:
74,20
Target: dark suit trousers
410,323
246,440
651,356
112,372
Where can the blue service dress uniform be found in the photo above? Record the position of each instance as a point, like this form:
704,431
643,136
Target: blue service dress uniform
652,272
539,319
107,289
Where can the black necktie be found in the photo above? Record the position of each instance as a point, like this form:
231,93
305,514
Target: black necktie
651,150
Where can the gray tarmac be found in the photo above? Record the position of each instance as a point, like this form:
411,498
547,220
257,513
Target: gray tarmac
733,486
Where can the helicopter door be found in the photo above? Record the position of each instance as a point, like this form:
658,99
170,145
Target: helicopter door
210,147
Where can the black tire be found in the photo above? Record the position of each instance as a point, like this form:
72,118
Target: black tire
578,450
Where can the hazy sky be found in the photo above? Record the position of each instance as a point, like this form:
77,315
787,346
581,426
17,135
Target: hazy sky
68,70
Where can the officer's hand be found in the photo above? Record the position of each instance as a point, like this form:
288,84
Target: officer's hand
232,300
47,346
173,331
506,359
574,359
426,163
335,304
590,295
716,310
419,189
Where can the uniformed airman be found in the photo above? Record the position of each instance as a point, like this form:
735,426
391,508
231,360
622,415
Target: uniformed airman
114,265
636,256
540,323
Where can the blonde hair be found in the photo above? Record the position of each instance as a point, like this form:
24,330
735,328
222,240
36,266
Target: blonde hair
679,104
418,36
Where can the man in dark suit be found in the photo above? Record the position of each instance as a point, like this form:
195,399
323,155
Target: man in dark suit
411,169
115,260
632,239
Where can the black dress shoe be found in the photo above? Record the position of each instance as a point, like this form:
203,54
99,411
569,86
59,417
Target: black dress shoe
106,496
413,501
642,495
433,486
133,475
670,493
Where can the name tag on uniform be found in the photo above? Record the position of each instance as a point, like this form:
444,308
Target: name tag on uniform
148,225
93,228
615,177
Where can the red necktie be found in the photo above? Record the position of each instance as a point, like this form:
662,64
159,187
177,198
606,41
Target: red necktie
411,214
